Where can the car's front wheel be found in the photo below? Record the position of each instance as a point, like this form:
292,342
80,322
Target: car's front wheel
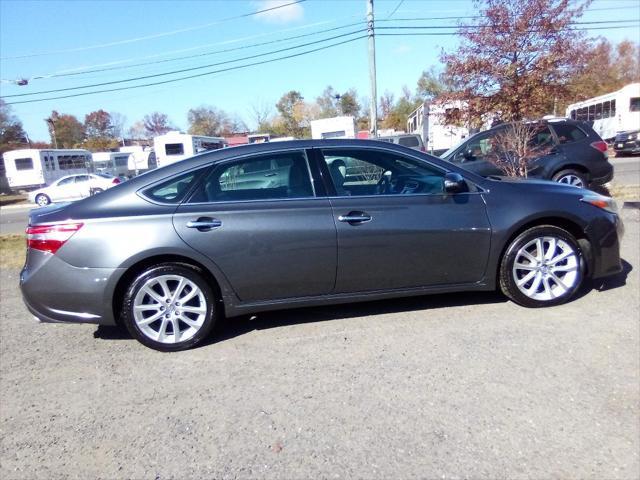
542,267
169,307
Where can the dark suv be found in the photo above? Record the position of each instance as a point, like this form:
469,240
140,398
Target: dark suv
627,143
578,155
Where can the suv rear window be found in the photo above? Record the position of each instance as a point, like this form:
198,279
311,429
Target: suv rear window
568,133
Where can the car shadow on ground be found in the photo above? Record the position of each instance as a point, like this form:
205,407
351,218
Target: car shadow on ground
233,327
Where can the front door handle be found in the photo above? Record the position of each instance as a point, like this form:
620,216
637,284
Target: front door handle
204,224
354,218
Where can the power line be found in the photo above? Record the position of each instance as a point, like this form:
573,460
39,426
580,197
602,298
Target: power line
183,70
155,62
528,31
157,35
239,67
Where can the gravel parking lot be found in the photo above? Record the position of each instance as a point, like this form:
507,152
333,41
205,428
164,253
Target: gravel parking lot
431,387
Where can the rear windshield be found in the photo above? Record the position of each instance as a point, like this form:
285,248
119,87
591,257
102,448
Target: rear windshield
568,133
24,163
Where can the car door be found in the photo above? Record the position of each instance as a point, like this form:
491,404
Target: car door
259,220
82,184
63,189
397,228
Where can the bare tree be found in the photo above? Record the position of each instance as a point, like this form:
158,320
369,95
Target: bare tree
514,148
261,113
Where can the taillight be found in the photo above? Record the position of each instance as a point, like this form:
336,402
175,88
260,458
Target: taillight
600,145
115,181
49,238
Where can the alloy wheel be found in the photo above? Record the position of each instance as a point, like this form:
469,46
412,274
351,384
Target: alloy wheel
571,179
546,268
169,308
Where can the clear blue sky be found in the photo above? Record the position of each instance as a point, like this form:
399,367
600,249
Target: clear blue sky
35,27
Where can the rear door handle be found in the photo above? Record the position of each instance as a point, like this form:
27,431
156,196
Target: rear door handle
354,218
204,224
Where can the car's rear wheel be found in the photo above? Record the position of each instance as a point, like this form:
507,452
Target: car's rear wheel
42,200
571,177
169,307
542,267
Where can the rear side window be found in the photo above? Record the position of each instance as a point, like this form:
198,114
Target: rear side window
267,177
568,133
175,189
409,141
24,163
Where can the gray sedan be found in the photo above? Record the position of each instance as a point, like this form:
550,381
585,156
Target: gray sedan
282,225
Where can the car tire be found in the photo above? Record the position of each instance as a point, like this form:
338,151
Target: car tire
542,267
571,177
42,200
153,304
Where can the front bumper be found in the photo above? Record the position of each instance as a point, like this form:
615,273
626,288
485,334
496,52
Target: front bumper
605,234
54,291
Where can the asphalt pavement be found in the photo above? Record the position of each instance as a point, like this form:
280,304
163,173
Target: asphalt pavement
443,386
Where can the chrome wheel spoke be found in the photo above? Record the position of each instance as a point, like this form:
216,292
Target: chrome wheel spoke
190,322
526,278
551,250
176,329
162,330
539,250
178,290
529,257
149,291
189,309
525,266
547,287
558,281
151,319
535,285
565,268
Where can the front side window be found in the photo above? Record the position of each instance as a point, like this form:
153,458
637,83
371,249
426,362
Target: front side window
373,172
267,177
24,163
634,104
174,149
174,189
478,147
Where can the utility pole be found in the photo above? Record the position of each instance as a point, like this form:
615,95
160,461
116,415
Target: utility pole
373,121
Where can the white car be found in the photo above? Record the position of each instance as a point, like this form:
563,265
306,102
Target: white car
73,187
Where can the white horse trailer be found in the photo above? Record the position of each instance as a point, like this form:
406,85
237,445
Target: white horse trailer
141,158
174,146
113,163
429,121
610,113
32,168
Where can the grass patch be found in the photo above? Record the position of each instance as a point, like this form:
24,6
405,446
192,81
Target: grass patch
13,251
12,199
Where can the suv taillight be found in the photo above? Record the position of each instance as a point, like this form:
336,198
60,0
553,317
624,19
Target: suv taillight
49,238
601,146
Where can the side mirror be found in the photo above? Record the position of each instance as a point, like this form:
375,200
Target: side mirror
455,183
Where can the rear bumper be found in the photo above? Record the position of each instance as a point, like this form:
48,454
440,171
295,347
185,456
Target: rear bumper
56,292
